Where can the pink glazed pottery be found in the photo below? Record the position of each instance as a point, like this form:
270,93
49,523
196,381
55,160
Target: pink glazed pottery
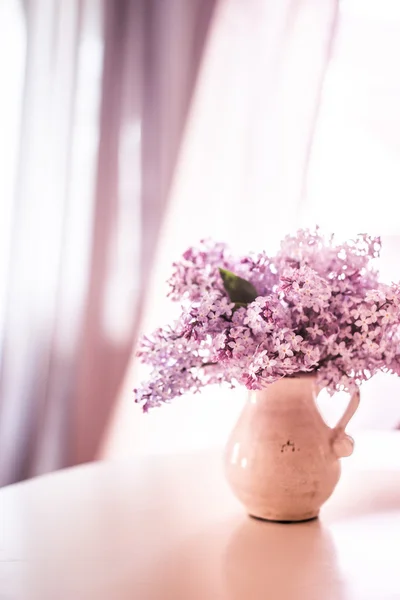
282,459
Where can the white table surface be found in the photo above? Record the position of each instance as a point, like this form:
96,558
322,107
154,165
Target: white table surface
168,528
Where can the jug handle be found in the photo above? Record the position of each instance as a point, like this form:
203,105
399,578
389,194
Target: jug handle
343,444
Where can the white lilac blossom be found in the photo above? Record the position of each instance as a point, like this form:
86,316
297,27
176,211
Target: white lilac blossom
315,307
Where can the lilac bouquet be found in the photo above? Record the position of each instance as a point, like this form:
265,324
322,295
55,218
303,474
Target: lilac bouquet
315,307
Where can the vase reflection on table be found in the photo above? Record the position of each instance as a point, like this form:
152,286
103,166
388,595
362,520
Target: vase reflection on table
265,560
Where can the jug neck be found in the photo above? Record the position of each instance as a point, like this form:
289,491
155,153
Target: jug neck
301,389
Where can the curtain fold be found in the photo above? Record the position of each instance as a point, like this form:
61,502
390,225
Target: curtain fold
106,93
252,123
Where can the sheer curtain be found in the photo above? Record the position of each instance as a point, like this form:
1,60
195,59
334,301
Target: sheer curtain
241,177
99,93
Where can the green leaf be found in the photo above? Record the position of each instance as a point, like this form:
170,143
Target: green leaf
239,290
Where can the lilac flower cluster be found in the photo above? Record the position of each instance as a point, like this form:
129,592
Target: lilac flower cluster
316,306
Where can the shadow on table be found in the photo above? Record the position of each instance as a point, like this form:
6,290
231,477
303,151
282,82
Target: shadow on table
362,493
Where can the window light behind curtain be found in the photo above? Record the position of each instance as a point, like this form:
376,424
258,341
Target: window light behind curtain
295,122
240,176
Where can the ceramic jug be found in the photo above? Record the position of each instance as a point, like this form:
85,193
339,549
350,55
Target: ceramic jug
282,459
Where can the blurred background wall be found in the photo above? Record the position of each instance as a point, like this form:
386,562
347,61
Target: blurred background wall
130,129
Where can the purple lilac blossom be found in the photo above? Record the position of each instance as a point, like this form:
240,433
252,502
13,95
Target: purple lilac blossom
321,309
